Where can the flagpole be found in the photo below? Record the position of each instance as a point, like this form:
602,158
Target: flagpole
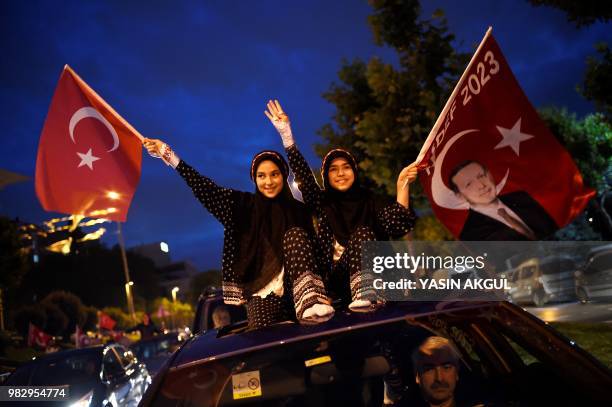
442,116
126,271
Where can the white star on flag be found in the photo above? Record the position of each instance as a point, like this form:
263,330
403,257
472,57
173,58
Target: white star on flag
512,137
87,159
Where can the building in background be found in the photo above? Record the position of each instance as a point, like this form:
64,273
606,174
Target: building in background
172,274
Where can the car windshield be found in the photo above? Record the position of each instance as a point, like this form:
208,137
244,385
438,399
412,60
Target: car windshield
72,369
151,348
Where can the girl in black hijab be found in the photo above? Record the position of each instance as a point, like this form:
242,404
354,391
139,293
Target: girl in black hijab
267,251
347,214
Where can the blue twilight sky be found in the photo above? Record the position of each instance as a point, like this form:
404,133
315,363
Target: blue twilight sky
197,74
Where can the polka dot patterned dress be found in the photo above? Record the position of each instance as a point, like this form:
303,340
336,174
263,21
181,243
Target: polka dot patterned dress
304,286
343,264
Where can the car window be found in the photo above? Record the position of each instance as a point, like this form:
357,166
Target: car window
526,357
236,313
602,262
527,272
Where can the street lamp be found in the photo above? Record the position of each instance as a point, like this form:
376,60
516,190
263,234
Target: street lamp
174,291
130,298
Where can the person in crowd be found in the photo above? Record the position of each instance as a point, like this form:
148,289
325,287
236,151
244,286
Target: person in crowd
221,317
267,251
347,215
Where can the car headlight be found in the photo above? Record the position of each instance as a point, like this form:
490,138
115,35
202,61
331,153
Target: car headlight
84,401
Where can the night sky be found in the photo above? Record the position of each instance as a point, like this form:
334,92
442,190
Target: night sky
198,75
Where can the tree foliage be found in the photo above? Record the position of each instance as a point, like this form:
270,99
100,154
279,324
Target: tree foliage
384,111
583,12
13,260
94,273
70,305
202,281
597,86
589,141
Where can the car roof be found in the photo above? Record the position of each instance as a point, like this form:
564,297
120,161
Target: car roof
213,345
65,353
600,249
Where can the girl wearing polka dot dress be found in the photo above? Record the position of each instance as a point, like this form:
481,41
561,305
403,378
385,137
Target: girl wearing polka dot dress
347,215
267,252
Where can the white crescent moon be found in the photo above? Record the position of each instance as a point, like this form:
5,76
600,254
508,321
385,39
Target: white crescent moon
444,196
84,112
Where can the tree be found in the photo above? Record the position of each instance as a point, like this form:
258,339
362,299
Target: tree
13,258
582,12
122,318
56,322
202,281
91,319
93,272
71,306
22,318
597,86
384,113
590,142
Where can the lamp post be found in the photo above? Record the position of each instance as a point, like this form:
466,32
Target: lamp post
126,271
174,291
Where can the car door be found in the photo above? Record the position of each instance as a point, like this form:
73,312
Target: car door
115,377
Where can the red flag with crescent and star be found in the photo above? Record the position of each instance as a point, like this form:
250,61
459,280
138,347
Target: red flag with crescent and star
38,337
491,168
89,157
105,321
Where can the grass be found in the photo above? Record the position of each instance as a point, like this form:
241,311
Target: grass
595,338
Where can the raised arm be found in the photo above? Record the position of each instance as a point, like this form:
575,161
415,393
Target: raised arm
398,218
216,199
307,183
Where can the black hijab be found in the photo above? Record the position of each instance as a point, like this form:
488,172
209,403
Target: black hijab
261,224
348,210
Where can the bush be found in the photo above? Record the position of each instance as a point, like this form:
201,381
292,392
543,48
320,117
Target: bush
57,321
123,319
5,342
34,314
91,319
71,306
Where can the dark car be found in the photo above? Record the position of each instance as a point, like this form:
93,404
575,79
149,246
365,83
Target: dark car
594,279
508,357
155,351
209,301
98,376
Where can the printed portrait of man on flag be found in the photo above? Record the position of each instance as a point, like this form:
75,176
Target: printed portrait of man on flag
490,167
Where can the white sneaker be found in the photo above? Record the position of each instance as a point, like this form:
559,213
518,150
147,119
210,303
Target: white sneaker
318,313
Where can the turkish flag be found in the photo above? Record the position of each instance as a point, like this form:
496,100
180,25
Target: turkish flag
37,336
106,322
89,157
491,168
